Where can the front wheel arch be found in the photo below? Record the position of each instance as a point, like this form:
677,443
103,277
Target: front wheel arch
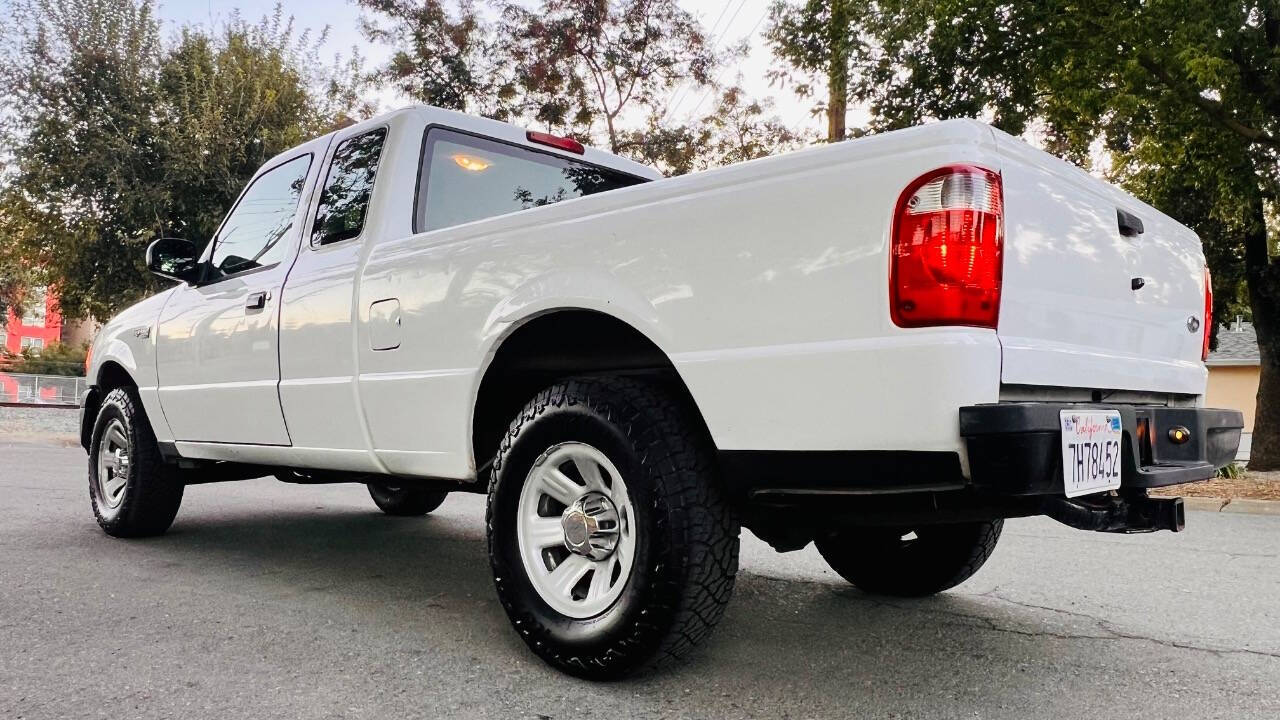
111,375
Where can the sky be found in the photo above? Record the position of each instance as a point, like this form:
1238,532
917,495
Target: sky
727,21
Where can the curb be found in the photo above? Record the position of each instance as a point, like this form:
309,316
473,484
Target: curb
1233,505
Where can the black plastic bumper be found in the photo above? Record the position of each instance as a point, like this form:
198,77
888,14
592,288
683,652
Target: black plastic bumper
1015,448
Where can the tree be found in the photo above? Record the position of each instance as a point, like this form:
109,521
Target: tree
445,55
229,102
78,83
737,129
741,129
818,38
1183,95
580,63
114,140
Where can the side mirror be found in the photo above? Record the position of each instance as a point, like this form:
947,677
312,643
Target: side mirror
174,259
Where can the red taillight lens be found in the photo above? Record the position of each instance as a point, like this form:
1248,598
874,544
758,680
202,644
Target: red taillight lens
948,239
556,141
1208,314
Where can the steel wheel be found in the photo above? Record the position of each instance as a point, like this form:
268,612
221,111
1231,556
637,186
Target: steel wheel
575,531
113,465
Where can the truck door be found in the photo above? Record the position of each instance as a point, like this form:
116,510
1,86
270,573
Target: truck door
217,354
318,315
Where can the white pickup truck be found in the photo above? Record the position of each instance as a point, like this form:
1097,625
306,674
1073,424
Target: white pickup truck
884,346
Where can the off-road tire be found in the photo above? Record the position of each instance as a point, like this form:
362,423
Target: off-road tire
879,561
405,501
686,553
153,488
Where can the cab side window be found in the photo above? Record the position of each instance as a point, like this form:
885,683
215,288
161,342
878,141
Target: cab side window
253,234
347,189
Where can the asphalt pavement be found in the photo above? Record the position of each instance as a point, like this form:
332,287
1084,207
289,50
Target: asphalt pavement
268,600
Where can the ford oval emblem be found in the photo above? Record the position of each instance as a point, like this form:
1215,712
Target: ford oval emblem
1193,324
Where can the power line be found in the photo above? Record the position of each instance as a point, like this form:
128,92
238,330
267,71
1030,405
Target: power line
672,108
683,88
736,68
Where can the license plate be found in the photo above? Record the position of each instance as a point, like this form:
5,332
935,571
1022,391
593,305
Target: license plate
1090,451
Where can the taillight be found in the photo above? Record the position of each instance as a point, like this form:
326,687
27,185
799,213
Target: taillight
1208,314
948,238
555,141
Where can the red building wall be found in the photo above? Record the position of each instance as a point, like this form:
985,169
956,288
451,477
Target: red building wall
50,332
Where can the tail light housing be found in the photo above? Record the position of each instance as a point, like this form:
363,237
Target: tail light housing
947,254
1208,314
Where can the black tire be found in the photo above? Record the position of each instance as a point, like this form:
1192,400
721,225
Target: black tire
880,561
152,490
405,501
686,536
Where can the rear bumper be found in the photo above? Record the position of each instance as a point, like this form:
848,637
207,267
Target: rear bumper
1015,448
1015,464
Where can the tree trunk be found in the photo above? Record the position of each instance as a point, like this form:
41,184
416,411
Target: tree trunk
613,136
1263,277
838,71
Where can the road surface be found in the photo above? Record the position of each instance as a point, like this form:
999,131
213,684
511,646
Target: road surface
268,600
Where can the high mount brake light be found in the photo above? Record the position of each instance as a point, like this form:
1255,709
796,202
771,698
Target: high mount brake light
555,141
947,249
1208,314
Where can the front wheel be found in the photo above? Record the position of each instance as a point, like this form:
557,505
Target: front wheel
611,543
910,562
134,493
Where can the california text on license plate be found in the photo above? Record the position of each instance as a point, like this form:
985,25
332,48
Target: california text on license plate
1090,451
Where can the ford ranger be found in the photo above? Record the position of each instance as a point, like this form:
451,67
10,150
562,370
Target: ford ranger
885,347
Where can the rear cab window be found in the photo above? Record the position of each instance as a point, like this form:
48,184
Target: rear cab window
464,178
348,186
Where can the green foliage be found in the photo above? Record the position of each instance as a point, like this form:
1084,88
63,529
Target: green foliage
572,67
444,54
1231,472
56,359
818,38
738,129
115,138
582,63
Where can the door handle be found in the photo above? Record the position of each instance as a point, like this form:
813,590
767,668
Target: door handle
257,301
1130,224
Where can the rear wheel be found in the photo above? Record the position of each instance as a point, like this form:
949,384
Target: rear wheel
611,544
910,562
133,492
405,501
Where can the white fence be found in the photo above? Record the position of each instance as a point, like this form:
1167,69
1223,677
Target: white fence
40,389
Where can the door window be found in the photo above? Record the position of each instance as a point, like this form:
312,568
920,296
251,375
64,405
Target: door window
347,189
470,178
253,234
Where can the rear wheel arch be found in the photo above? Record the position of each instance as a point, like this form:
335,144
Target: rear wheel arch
562,343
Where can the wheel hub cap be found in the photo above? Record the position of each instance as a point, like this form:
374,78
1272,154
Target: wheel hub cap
113,465
591,526
576,530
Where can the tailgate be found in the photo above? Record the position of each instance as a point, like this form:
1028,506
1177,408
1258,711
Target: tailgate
1084,305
